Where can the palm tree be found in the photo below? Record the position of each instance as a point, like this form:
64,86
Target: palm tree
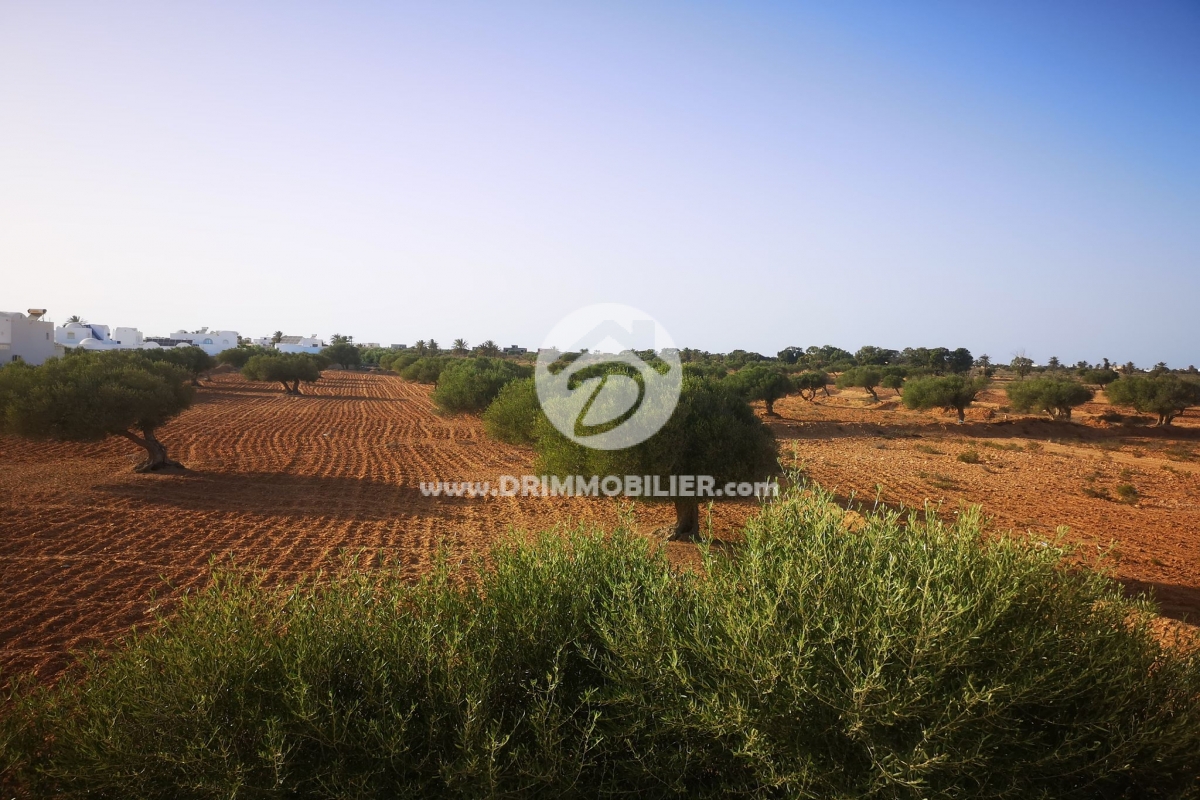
433,347
420,347
489,348
460,347
276,337
77,318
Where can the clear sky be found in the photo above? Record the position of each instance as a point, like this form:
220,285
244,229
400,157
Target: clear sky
1000,176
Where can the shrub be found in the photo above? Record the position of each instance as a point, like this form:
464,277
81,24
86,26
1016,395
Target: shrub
425,370
969,457
1054,396
862,378
1165,395
1099,377
927,658
238,356
287,368
468,385
893,378
953,392
1127,492
513,416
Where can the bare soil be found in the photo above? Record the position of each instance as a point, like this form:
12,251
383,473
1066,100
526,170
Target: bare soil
88,548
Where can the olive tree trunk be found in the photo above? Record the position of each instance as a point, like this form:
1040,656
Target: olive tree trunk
687,519
156,452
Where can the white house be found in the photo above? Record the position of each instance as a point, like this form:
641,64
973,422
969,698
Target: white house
211,342
74,333
300,344
26,338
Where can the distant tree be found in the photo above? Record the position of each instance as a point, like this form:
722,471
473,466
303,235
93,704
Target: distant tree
788,355
337,338
1099,377
959,360
460,347
76,318
1128,369
193,360
827,355
810,382
470,385
1053,363
342,353
276,337
287,368
761,382
713,432
433,347
425,370
1021,364
862,378
92,396
1165,395
984,361
513,416
421,348
238,356
1053,396
489,349
869,355
1160,368
892,379
950,393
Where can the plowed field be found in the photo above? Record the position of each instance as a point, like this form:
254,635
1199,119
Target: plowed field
290,483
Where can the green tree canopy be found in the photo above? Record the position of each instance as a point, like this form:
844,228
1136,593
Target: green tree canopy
91,396
287,368
1022,365
761,382
949,393
469,385
422,370
194,360
1165,395
1053,396
513,416
862,378
238,356
343,353
1099,377
810,382
713,432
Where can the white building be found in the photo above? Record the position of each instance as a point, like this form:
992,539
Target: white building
211,342
74,333
26,338
300,344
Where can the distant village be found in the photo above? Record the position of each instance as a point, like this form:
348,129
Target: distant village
31,338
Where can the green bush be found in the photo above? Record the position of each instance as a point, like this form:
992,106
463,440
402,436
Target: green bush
469,385
513,416
861,378
287,368
1053,396
951,393
903,661
238,356
425,370
1164,395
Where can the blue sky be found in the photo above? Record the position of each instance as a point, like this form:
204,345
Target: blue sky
1000,176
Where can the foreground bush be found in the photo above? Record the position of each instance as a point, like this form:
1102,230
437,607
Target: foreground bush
513,416
896,661
468,385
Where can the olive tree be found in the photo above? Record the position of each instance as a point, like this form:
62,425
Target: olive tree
1099,377
713,432
287,368
1053,396
343,353
1022,365
892,379
238,356
810,382
949,393
1165,395
761,382
92,396
861,378
513,416
192,359
469,385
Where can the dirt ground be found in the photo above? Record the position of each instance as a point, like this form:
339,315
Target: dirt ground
88,548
